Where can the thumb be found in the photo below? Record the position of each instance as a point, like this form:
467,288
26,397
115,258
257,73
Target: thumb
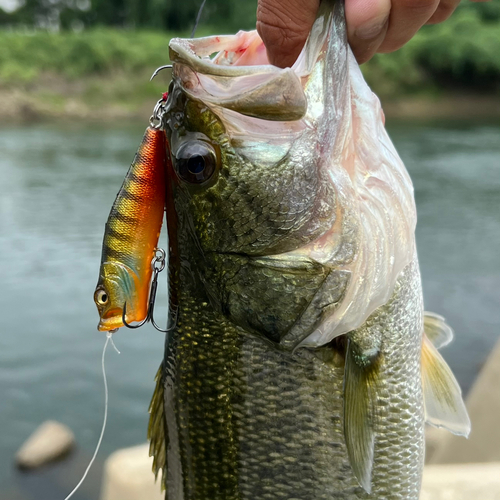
284,26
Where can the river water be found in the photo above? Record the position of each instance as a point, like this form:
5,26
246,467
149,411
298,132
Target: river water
57,185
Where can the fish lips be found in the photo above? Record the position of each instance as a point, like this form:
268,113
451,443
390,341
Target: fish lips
262,91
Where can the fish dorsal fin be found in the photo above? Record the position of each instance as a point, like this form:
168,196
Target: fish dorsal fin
360,393
444,406
437,330
157,428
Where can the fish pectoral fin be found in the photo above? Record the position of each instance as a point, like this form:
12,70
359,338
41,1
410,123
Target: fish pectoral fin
360,394
157,428
437,330
444,406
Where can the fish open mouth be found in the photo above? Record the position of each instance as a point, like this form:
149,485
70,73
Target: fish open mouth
222,55
233,72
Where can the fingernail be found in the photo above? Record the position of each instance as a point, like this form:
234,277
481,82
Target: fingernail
371,28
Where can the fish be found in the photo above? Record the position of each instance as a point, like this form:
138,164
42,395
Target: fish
302,364
131,236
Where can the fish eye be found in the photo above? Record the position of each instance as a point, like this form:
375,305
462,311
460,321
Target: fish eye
101,297
195,161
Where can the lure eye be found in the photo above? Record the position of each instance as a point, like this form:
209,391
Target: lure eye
101,297
195,161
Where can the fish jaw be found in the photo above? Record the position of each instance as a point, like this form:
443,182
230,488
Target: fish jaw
255,89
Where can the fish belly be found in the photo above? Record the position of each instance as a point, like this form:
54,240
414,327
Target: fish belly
247,421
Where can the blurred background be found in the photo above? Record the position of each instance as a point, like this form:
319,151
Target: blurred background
75,98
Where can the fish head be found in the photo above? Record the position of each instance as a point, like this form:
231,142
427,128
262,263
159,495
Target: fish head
119,285
263,180
248,185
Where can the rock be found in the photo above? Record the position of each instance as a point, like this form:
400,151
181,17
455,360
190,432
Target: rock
52,440
483,405
461,482
128,476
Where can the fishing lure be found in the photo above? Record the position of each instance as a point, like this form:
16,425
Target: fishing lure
130,260
125,291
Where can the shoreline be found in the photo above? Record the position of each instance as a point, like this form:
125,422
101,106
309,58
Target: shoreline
452,106
60,102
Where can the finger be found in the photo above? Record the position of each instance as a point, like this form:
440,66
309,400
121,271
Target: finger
407,17
367,22
444,10
284,27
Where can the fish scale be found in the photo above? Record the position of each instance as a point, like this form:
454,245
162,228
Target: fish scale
259,423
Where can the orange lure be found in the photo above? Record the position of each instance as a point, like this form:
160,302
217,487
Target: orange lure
131,236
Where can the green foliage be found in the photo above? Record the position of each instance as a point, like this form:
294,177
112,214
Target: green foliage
463,52
153,14
24,56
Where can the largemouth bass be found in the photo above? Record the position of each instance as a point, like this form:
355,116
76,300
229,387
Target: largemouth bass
131,236
298,367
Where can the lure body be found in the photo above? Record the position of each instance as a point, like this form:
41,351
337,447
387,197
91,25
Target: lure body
131,236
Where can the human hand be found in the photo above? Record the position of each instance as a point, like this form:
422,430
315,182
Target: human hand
372,25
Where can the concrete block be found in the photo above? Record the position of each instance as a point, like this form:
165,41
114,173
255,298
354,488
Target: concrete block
128,476
461,482
50,441
483,404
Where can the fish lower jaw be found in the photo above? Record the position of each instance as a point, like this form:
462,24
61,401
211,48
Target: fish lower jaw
110,323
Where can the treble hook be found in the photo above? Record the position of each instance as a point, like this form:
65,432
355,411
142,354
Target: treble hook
160,260
157,70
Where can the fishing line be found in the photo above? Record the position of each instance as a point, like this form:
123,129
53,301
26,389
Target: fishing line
108,339
198,18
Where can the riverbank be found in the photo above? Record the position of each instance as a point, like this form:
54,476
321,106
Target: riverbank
448,71
132,97
103,99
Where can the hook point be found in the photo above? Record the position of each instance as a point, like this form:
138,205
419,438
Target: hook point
157,70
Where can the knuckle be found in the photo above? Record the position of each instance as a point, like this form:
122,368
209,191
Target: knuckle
283,28
275,33
282,45
285,19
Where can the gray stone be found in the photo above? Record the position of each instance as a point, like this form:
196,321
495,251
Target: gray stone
52,440
461,482
128,476
483,405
